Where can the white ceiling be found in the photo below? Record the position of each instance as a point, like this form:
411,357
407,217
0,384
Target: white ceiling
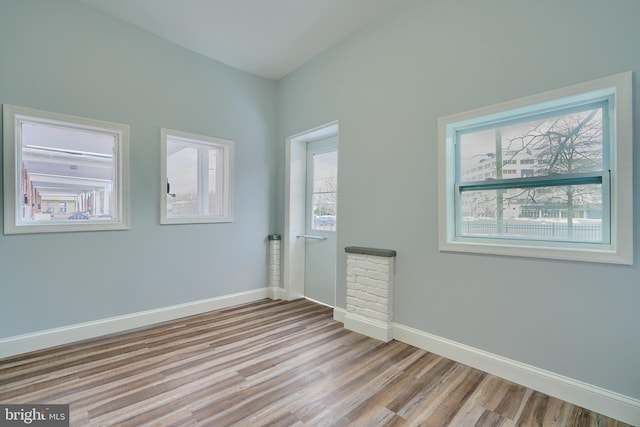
268,38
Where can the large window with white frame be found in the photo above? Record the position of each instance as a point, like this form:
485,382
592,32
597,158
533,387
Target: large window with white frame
64,173
197,173
546,176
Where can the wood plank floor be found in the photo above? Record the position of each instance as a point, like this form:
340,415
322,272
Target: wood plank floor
271,363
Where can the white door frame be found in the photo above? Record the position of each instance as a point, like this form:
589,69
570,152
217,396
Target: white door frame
295,207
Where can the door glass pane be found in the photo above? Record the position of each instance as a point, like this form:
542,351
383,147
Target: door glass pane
325,189
562,213
182,176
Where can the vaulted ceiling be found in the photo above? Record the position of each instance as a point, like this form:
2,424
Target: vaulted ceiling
268,38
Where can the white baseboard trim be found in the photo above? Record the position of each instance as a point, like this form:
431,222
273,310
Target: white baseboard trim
339,314
606,402
19,344
276,293
370,327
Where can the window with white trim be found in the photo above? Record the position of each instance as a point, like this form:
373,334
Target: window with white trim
64,173
197,178
567,191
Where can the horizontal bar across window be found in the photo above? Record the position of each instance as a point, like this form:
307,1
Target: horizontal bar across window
544,181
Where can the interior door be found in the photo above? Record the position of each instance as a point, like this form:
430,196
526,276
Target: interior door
321,220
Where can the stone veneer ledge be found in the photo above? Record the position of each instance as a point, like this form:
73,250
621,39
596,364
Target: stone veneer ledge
370,276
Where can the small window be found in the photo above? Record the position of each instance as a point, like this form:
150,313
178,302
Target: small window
64,173
571,200
197,176
324,190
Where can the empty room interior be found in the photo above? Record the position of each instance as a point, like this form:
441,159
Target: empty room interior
320,212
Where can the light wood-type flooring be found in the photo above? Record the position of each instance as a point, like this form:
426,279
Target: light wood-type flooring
271,363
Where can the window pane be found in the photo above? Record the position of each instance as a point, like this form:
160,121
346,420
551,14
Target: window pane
182,175
325,187
556,164
63,173
564,213
567,143
66,174
198,172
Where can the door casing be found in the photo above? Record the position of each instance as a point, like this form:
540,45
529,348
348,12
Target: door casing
295,208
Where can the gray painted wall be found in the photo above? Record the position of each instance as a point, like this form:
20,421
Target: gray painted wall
65,57
387,85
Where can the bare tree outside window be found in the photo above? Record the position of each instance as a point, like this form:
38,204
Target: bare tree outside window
567,144
552,148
